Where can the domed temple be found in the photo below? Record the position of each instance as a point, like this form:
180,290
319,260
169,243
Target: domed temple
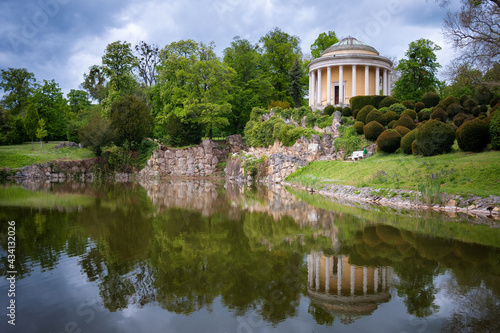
346,69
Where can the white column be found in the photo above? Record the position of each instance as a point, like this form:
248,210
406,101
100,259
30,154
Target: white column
310,88
353,273
312,98
316,269
319,86
329,85
310,271
367,80
377,81
341,85
384,278
375,280
389,92
339,276
384,88
353,81
327,272
365,280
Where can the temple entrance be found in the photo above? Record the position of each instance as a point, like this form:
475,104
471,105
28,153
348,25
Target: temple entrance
336,95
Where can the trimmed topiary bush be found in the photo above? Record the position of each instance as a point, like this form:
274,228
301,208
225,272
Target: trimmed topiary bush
389,141
458,121
453,109
439,114
390,116
473,136
398,108
329,110
495,131
405,121
402,130
355,113
377,116
409,104
434,137
391,124
388,101
376,99
361,116
346,112
483,95
359,102
469,105
407,140
372,130
358,126
419,106
430,99
463,99
479,109
494,101
449,101
412,114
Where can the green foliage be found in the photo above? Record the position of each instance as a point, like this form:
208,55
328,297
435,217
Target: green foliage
495,131
372,130
494,101
412,114
473,136
78,100
398,108
453,109
434,137
12,129
402,130
419,106
358,102
448,101
324,41
439,114
388,141
407,141
376,115
329,110
346,112
483,95
131,120
41,131
409,104
31,121
390,116
256,114
358,127
298,114
279,104
17,85
388,101
260,134
296,78
363,113
96,133
324,121
424,114
405,121
430,99
146,149
479,109
51,105
391,124
348,140
183,131
469,105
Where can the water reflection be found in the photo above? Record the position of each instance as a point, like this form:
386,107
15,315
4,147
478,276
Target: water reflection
193,246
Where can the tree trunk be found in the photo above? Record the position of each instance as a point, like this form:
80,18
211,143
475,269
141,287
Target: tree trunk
210,134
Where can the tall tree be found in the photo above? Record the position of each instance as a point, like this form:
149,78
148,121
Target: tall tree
31,122
51,105
280,50
148,59
41,131
418,71
295,75
18,85
324,41
131,120
78,100
95,83
119,62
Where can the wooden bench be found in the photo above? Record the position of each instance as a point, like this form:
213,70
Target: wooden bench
357,155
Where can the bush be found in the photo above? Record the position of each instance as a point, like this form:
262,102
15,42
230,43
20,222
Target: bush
376,115
359,102
424,114
256,114
439,114
402,130
383,110
434,137
390,116
291,136
449,101
389,141
391,124
419,106
458,121
463,99
131,120
430,99
405,121
494,101
479,109
412,114
363,113
495,131
372,130
355,113
348,141
469,105
388,101
279,104
346,112
483,95
407,141
329,110
359,127
409,104
324,121
96,133
453,109
473,136
398,108
376,100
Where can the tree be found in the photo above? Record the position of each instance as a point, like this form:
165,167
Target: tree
280,51
31,122
148,59
17,84
295,76
131,120
51,105
118,65
418,71
96,133
324,41
41,131
78,100
95,83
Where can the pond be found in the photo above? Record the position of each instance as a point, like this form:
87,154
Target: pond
199,256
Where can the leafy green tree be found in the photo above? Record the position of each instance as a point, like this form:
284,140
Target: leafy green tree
295,75
147,60
96,133
51,105
31,122
280,51
119,63
41,131
418,71
131,120
17,84
95,83
324,41
78,100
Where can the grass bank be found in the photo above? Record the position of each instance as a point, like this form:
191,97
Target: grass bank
458,172
17,156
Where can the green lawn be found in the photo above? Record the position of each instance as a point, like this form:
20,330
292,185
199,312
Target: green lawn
17,156
458,172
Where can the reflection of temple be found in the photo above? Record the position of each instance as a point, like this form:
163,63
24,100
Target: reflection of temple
344,289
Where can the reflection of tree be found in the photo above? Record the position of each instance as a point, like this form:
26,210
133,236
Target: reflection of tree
321,316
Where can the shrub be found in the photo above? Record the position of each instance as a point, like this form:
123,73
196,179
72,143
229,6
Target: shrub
458,121
338,108
402,130
372,130
405,121
483,95
377,116
430,99
453,109
364,112
479,109
96,133
469,105
398,108
131,120
324,121
412,114
291,135
358,102
463,99
391,124
407,141
494,101
376,99
487,120
482,116
419,106
355,113
256,114
448,101
310,120
439,114
495,131
279,104
329,110
359,127
346,112
383,110
390,116
348,140
434,137
389,141
424,114
388,101
409,104
473,136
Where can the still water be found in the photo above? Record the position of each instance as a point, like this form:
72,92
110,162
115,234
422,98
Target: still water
197,256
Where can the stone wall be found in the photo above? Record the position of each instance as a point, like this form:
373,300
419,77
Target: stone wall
58,171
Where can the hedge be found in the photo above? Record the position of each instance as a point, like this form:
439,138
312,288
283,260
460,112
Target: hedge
377,116
363,113
495,131
389,141
388,101
358,102
372,130
405,121
402,130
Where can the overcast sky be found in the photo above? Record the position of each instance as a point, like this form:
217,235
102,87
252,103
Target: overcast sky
61,39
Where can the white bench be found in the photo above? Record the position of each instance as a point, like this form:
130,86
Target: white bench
357,155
